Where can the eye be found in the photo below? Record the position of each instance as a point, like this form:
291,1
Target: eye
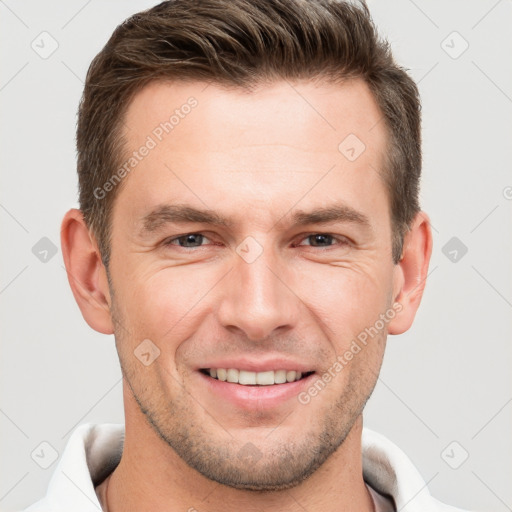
323,240
188,240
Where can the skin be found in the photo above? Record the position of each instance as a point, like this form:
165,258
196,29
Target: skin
256,159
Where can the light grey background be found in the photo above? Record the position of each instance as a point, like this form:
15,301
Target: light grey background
447,379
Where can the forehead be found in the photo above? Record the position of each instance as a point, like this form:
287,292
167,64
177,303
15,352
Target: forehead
303,107
208,141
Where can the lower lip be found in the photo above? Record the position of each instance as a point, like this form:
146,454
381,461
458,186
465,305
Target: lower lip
250,397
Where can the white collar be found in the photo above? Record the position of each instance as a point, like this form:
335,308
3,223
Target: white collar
94,450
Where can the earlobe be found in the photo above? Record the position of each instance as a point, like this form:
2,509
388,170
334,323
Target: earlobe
411,273
86,272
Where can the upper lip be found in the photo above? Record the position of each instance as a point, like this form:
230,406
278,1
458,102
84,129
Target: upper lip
261,365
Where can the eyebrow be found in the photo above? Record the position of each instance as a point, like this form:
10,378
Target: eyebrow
165,214
335,213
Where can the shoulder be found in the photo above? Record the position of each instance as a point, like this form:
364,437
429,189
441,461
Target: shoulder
91,453
389,471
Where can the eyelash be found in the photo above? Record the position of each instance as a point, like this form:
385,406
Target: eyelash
170,240
341,241
337,241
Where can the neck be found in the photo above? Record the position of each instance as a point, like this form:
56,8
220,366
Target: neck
151,476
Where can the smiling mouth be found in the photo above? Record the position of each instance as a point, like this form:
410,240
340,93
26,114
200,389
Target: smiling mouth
246,378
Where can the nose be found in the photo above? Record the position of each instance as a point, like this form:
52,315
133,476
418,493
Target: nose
258,298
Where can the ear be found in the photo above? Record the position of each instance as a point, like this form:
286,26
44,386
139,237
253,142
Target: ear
410,273
87,275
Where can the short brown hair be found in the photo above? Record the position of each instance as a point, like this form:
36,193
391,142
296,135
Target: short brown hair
242,43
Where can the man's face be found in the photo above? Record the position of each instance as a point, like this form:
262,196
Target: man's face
292,263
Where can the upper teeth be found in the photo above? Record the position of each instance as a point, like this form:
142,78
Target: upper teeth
262,378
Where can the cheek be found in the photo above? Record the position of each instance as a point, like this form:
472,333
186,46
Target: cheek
166,304
345,300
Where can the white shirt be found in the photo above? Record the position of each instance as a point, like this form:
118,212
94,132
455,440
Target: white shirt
93,452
